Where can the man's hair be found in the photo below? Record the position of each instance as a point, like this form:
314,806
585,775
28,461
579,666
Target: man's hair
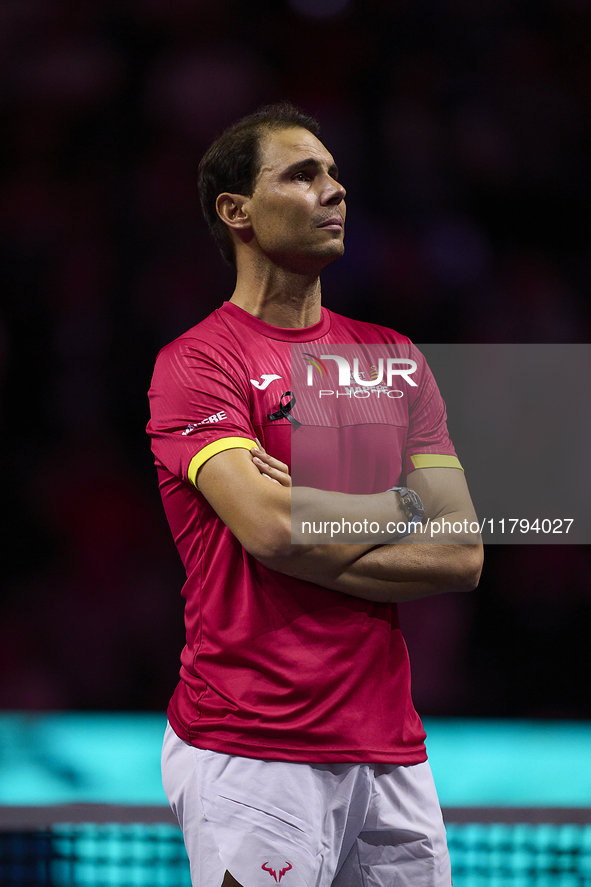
233,162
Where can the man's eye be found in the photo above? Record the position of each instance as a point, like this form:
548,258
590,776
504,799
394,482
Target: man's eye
301,177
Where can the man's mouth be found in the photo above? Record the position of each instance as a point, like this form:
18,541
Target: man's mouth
334,223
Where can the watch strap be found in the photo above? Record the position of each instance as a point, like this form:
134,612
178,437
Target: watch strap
413,506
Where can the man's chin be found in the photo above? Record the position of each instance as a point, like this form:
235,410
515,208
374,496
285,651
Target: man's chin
333,249
338,249
311,263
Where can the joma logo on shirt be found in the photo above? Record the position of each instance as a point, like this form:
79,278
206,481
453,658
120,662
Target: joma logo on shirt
267,379
217,417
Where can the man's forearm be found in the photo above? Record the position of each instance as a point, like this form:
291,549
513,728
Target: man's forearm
307,555
406,570
444,554
396,573
266,519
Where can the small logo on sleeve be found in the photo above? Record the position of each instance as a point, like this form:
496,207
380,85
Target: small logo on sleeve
267,379
217,417
274,873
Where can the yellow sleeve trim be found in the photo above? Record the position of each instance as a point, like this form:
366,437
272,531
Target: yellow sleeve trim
218,446
433,460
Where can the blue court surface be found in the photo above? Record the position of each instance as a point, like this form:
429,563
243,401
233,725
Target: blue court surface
65,758
81,803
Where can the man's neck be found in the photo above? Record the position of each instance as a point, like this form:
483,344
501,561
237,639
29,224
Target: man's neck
280,298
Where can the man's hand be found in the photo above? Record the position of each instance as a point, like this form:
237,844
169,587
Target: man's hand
269,467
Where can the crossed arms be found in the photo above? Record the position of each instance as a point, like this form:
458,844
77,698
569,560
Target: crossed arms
259,513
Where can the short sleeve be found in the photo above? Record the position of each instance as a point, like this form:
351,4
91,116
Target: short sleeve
199,406
428,444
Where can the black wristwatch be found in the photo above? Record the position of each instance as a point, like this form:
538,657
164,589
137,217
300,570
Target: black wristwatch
413,506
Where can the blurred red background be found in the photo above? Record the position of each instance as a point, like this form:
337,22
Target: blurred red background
463,135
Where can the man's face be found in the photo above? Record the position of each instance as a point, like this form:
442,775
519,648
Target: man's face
298,208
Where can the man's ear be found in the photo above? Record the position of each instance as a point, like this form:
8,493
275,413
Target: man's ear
232,211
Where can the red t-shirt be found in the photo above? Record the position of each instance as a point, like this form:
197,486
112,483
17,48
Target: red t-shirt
276,667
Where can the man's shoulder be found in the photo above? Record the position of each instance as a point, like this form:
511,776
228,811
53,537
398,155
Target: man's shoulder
209,335
362,331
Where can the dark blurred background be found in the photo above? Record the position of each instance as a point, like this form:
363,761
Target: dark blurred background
463,134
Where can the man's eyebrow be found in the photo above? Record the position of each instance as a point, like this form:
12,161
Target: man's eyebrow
333,170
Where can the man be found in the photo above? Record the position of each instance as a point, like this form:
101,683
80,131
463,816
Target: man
294,753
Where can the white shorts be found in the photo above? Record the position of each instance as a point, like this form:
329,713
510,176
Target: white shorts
305,825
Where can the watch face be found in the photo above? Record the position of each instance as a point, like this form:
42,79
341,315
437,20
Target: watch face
414,504
406,504
411,501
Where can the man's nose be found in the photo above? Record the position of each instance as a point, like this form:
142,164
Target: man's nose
334,193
